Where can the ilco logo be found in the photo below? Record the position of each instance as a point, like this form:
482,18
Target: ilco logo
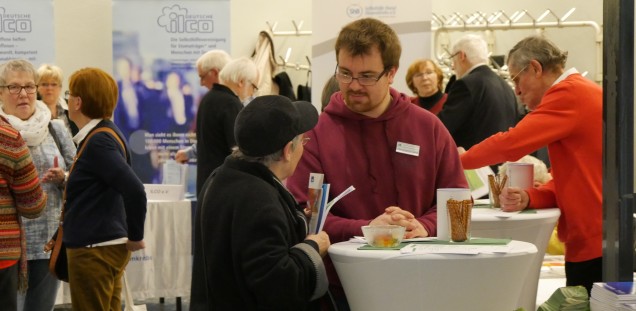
177,20
12,23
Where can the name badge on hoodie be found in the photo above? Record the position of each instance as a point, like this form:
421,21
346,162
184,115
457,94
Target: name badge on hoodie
409,149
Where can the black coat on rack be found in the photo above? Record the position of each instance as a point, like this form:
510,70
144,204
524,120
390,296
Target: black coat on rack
285,87
304,92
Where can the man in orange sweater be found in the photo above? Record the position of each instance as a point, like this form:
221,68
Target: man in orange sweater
566,115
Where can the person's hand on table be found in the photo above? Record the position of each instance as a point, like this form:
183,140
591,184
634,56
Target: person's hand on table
394,215
415,230
135,245
181,156
322,239
513,199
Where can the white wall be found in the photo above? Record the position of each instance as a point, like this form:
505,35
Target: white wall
84,37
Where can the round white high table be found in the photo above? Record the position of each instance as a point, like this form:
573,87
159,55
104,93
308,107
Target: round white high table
534,228
388,280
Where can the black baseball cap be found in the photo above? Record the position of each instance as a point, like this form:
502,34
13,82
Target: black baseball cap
269,122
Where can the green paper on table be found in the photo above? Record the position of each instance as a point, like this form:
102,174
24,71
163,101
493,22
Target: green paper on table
472,241
525,211
369,247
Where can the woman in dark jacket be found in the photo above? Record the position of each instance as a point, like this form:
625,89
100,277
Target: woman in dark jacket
105,201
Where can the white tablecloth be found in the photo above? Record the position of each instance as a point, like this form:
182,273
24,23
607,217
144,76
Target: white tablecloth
534,228
164,267
388,280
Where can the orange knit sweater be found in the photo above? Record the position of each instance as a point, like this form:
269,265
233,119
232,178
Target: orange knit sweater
20,191
569,121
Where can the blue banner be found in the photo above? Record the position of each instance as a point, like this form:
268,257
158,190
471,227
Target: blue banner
155,47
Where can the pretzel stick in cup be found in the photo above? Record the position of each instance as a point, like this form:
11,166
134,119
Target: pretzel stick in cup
495,188
503,183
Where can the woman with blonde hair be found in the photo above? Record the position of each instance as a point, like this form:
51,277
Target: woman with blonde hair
105,201
50,92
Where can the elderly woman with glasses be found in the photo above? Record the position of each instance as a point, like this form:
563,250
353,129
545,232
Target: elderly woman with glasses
49,91
425,79
52,150
105,201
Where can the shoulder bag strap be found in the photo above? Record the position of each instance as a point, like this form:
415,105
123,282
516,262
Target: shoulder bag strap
79,153
56,243
54,134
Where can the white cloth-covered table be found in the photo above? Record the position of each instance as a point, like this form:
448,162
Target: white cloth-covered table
534,228
389,280
164,267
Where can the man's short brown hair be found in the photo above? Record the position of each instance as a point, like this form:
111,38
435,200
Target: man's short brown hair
360,36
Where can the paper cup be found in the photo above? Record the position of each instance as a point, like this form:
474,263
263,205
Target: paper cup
520,175
443,195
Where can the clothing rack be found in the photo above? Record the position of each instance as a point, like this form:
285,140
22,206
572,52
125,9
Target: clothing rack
499,20
285,64
280,64
296,32
284,61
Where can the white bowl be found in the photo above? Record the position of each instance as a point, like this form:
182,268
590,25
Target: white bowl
383,236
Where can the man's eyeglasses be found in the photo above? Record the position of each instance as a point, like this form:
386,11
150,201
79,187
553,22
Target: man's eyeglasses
254,86
67,95
366,80
16,89
514,78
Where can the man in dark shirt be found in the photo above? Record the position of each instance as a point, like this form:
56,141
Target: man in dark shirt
209,65
480,103
217,112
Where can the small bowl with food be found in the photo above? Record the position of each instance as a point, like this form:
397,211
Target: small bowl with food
383,236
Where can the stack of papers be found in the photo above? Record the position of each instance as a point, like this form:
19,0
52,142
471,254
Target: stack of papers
613,296
573,298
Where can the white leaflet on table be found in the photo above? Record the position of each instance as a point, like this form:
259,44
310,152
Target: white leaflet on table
445,249
454,249
497,212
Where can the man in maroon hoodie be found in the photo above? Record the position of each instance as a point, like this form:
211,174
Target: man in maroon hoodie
394,153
